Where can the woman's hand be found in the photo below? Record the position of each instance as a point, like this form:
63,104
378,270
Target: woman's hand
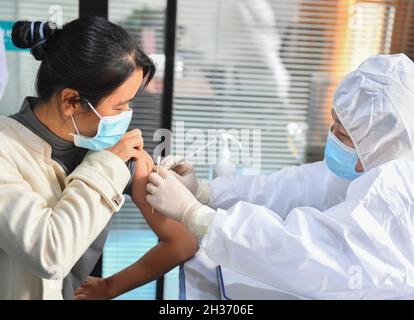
93,289
130,146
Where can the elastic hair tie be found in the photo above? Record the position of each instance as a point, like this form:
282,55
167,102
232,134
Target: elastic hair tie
41,33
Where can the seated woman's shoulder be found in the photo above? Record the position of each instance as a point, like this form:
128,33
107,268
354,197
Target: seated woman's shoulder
10,131
143,167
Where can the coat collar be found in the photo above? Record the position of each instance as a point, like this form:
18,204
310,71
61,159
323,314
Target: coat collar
27,137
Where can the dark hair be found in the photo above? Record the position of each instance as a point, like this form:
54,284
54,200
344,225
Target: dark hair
90,55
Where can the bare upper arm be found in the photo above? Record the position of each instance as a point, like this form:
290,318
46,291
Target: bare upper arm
164,227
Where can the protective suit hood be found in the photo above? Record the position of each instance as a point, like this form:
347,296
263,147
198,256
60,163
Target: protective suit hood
375,104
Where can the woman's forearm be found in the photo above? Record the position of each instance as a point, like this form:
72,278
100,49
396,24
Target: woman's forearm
156,262
163,257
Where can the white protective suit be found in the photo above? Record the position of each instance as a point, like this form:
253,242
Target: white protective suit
308,233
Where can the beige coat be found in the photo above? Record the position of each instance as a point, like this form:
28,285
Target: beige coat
48,219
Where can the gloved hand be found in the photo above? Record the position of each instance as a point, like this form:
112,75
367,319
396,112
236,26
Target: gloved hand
170,197
184,172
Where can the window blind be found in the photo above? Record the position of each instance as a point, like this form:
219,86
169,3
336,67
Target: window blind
274,65
22,67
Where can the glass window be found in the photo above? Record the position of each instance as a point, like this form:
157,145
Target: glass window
21,65
272,65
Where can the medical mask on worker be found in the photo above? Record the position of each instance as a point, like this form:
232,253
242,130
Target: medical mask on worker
110,131
341,159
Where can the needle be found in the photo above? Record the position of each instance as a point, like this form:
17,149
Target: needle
197,151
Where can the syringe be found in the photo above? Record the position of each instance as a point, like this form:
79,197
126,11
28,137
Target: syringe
191,155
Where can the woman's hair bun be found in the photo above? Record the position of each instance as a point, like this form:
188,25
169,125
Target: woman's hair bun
33,35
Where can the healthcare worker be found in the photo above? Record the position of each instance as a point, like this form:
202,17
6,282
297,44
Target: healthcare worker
342,228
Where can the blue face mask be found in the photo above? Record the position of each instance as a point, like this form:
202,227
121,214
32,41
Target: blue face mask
340,159
110,131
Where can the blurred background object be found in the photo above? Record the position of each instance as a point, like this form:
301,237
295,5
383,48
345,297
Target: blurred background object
4,74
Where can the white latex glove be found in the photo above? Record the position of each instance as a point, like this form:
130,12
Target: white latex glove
170,197
184,172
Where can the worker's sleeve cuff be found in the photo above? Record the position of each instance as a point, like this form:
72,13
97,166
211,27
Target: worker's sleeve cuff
106,173
214,242
203,191
200,221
